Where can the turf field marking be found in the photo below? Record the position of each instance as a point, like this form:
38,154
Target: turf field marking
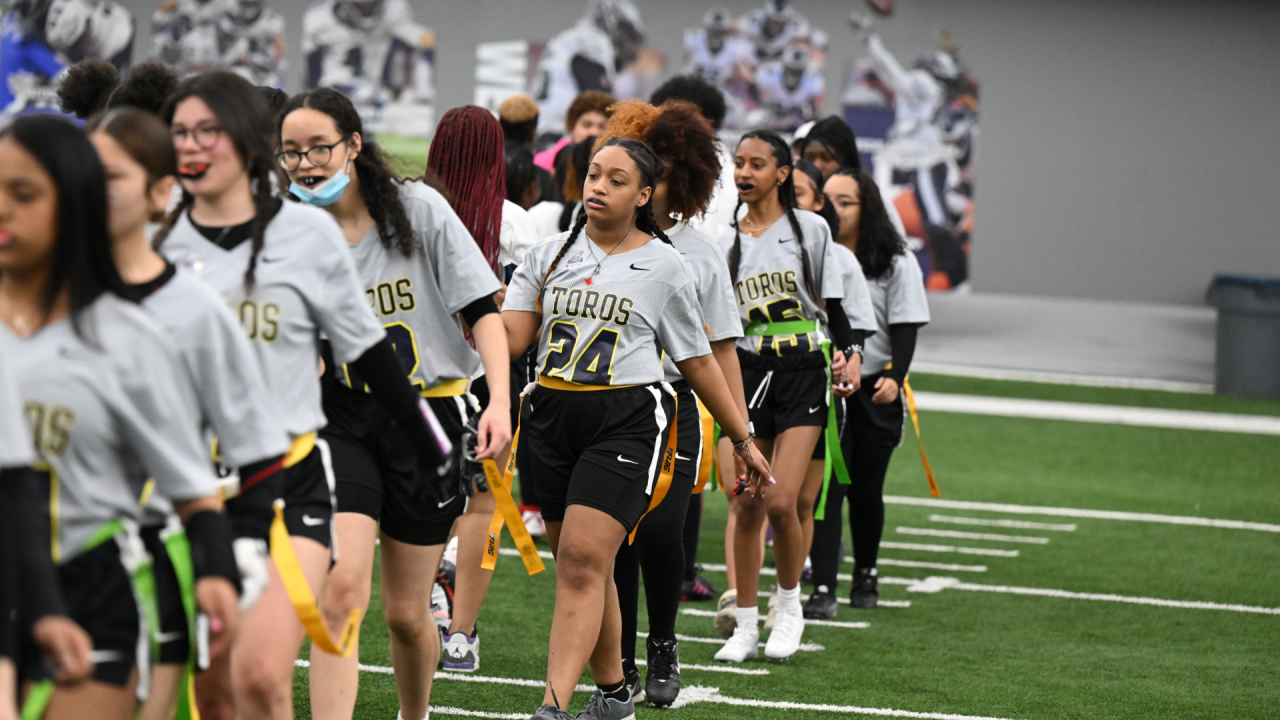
1081,513
544,554
959,535
804,647
1096,413
938,584
715,668
475,713
988,522
932,565
881,603
992,552
1054,378
825,623
696,694
713,567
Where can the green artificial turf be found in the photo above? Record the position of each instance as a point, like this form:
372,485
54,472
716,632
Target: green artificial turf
983,653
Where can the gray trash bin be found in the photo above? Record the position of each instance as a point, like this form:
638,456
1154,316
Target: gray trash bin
1248,344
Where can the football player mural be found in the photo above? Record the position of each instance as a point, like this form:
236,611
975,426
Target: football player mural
42,37
918,128
376,53
243,36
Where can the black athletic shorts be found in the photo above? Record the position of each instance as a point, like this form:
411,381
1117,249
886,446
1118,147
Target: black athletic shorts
175,633
308,496
689,445
598,448
781,399
374,465
100,599
879,423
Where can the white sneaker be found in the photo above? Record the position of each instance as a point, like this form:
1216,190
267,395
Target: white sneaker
773,609
440,607
534,523
784,641
742,646
451,551
727,613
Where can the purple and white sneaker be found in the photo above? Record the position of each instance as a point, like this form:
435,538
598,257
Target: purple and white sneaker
461,652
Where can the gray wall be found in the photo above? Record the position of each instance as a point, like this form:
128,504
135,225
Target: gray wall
1128,149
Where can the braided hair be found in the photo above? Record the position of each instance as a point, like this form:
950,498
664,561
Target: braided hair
244,117
379,187
787,198
652,169
466,153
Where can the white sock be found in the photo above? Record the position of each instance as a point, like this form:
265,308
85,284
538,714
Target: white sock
748,617
789,598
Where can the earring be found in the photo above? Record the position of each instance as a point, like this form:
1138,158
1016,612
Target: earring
780,183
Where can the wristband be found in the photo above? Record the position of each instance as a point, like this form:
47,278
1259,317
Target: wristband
212,554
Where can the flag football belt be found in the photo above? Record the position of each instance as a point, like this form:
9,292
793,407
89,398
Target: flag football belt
448,388
301,597
709,436
833,464
915,422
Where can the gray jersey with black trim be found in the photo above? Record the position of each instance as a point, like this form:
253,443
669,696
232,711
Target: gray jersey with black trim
105,414
306,283
771,283
418,298
857,298
711,281
15,439
611,331
898,298
233,398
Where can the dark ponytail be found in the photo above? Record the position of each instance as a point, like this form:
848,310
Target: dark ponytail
787,198
243,115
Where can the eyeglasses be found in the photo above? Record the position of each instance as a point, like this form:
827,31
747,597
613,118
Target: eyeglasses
318,156
206,136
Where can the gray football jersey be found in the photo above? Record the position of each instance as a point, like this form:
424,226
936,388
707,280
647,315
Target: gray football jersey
417,298
857,298
771,282
15,439
105,415
306,284
610,331
228,383
711,281
898,297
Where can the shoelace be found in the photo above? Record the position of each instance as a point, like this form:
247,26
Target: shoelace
664,662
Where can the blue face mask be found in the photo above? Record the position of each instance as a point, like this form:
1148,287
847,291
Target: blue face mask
324,194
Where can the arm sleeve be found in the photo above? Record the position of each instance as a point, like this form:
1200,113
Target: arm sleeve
902,340
28,523
478,309
388,383
841,333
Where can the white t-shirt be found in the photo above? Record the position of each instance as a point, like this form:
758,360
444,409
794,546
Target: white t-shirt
518,235
546,218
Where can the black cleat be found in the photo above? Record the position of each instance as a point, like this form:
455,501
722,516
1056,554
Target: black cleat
697,590
631,676
865,593
662,684
822,604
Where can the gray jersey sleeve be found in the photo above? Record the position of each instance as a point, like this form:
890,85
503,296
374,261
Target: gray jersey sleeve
15,437
228,381
462,273
857,298
907,301
822,255
526,283
680,327
338,303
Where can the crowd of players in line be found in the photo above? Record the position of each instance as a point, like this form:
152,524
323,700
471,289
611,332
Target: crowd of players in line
211,261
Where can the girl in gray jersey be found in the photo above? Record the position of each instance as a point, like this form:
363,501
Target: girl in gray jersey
286,271
229,392
608,299
874,407
426,280
686,143
104,395
789,295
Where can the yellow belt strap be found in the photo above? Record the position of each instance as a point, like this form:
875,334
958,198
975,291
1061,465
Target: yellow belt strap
304,602
708,446
664,477
447,388
299,449
508,513
915,421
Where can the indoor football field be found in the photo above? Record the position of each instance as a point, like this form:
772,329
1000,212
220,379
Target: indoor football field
1071,569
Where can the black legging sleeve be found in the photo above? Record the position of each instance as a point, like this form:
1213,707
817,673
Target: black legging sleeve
388,383
28,521
841,332
902,343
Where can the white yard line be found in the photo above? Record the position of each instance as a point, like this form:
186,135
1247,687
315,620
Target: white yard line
804,647
1081,513
1054,378
1016,524
931,565
437,710
544,554
714,567
728,669
1097,413
880,604
992,552
826,623
931,532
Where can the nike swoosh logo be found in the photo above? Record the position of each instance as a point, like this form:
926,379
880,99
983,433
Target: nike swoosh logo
633,267
163,638
629,462
813,410
681,457
446,502
784,241
266,259
312,522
